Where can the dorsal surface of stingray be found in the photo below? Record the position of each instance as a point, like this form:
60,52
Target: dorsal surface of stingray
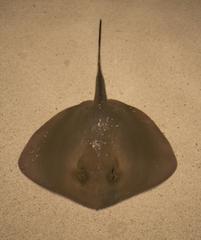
99,152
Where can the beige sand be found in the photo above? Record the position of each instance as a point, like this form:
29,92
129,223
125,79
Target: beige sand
151,59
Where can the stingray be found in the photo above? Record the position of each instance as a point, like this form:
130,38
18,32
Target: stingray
99,152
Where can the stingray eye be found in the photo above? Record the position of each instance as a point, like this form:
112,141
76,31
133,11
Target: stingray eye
82,175
113,176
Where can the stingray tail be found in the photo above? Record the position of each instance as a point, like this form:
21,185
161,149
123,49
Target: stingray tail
100,92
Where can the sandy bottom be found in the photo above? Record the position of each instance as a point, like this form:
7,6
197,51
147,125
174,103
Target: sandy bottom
151,57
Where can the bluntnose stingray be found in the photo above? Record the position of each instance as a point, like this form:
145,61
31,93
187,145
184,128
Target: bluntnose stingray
99,152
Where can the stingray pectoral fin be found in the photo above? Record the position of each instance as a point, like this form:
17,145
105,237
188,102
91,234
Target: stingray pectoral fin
41,158
31,159
144,153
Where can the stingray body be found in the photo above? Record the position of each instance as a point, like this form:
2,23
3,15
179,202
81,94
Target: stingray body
99,152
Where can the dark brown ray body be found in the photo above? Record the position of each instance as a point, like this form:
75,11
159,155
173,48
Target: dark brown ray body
99,152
